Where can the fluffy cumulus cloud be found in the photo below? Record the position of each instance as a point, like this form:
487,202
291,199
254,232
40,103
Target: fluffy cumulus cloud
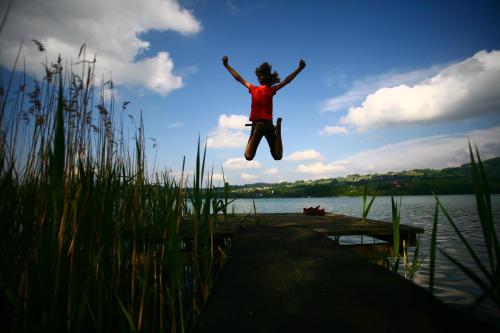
229,133
239,163
366,86
111,30
233,121
435,152
218,177
332,130
321,168
303,155
462,90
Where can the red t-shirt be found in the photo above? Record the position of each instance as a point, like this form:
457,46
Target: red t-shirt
262,102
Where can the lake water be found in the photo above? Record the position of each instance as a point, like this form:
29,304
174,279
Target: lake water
451,285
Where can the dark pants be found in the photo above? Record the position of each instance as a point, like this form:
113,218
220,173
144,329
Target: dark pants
266,129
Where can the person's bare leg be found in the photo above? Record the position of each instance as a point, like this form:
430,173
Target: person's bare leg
253,143
278,144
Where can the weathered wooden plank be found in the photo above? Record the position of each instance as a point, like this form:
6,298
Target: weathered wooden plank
293,279
330,224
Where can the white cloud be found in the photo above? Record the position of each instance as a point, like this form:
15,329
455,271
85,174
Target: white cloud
233,121
303,155
218,177
321,168
238,163
363,87
176,125
111,30
229,133
249,177
434,152
463,90
225,138
272,171
332,130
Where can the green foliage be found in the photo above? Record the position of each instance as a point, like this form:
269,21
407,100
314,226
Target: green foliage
432,263
90,239
365,208
56,162
223,203
413,266
396,218
456,180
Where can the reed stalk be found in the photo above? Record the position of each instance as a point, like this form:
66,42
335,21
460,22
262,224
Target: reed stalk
487,276
396,219
366,208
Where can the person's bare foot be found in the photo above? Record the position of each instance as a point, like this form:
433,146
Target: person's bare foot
278,126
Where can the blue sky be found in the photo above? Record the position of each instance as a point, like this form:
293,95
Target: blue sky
389,85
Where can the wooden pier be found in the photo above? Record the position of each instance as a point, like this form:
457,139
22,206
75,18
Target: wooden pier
284,274
329,225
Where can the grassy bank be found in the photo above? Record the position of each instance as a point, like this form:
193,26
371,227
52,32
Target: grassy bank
457,180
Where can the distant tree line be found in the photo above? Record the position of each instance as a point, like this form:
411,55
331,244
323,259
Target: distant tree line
415,182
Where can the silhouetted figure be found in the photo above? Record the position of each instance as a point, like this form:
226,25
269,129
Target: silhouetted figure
261,114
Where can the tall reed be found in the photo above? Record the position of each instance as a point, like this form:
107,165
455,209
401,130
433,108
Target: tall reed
412,265
396,219
90,239
366,208
489,277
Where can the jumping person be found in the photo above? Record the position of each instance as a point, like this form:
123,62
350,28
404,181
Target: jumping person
261,114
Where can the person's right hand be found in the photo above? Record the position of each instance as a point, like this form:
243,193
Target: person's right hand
225,60
302,64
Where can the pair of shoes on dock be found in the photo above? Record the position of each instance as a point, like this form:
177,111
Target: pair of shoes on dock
314,211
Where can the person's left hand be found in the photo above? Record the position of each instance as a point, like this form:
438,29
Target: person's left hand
302,64
225,60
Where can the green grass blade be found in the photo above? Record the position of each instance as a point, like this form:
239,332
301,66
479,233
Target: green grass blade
492,292
369,206
126,314
481,190
483,200
464,241
432,264
415,263
364,202
57,157
365,208
203,163
395,227
467,271
484,186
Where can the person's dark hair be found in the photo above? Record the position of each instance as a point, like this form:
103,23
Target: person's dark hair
264,71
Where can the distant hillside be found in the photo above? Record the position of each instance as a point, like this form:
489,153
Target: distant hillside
414,182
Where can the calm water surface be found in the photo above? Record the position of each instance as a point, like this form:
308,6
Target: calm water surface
451,285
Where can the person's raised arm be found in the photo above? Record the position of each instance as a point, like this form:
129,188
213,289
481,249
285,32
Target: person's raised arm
225,62
289,78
